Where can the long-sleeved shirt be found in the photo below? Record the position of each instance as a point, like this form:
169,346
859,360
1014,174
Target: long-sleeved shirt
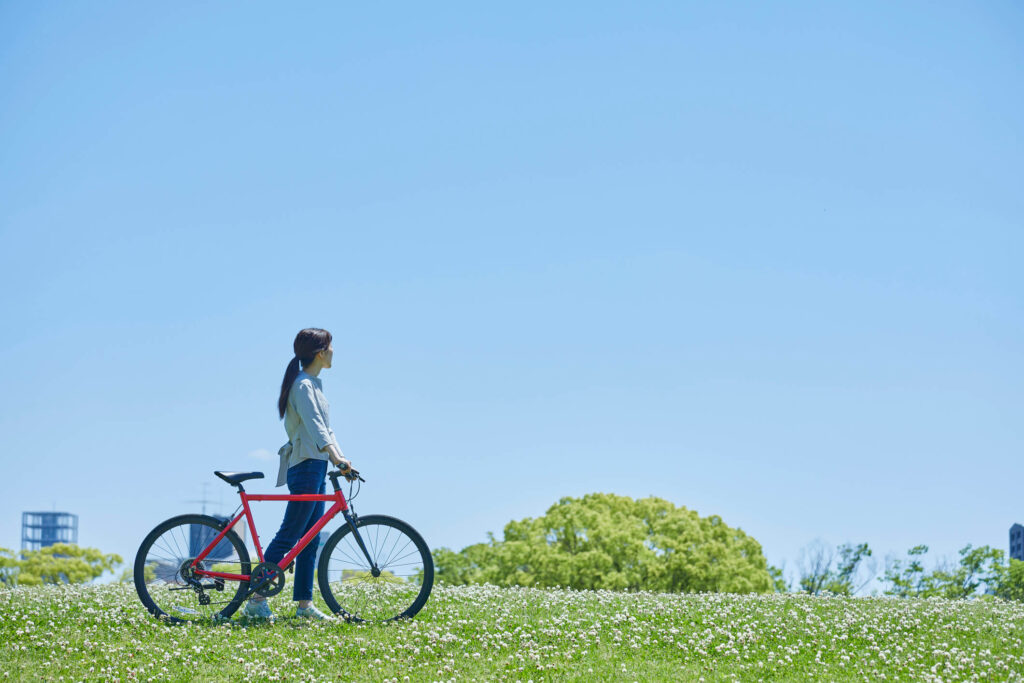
307,421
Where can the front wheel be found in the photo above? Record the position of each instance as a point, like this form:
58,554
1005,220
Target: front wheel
390,580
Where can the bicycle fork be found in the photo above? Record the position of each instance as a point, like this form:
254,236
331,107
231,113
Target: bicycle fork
351,518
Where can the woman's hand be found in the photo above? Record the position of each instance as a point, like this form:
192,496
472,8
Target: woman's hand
337,459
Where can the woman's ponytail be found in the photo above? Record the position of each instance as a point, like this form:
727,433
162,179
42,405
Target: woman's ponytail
308,343
290,374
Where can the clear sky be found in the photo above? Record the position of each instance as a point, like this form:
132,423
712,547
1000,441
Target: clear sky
760,259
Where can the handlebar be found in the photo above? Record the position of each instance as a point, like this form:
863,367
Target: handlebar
350,475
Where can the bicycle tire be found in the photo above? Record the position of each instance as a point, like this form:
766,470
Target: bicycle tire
400,589
163,552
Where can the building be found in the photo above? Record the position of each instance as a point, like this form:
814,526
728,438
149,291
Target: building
1017,542
200,537
43,529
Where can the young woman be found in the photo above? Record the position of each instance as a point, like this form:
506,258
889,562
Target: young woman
303,467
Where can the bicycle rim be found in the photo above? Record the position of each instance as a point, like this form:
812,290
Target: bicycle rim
397,589
163,584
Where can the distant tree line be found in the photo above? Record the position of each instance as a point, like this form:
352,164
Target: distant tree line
605,541
58,563
978,571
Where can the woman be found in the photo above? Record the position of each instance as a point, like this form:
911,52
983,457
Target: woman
303,464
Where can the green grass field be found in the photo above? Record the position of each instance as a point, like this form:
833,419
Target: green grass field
487,633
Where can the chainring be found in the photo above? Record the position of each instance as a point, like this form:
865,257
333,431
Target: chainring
267,578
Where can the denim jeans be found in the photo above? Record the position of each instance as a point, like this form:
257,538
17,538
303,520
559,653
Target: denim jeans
299,517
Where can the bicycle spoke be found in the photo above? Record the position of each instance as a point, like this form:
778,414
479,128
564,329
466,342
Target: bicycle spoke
411,553
388,561
380,544
356,553
408,564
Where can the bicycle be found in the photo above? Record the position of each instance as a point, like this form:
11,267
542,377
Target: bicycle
371,569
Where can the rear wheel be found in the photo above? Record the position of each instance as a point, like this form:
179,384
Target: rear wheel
394,583
166,582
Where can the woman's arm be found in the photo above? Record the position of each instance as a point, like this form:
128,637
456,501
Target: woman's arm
337,458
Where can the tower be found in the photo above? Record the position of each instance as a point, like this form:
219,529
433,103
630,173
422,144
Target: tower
43,529
1017,542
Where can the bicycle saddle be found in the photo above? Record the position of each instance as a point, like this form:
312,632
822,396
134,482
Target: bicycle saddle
236,478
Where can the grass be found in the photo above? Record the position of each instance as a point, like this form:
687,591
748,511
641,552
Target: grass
487,633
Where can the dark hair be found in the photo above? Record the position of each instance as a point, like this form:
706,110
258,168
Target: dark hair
308,343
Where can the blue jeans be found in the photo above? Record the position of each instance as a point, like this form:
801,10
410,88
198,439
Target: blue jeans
299,517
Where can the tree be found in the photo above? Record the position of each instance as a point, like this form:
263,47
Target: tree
148,573
815,566
614,542
10,566
1011,582
978,567
778,574
817,575
58,563
844,581
455,569
907,577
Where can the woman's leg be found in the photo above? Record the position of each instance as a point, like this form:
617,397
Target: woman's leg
298,515
302,589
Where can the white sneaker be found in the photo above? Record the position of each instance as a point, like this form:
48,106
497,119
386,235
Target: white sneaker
312,613
258,610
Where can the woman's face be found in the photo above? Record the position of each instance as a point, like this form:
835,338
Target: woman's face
327,356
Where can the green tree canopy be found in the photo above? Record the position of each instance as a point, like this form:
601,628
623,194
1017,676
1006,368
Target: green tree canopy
607,541
58,563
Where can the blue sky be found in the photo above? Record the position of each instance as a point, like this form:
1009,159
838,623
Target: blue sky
761,261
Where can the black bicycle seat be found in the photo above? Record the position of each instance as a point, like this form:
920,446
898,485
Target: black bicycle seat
236,478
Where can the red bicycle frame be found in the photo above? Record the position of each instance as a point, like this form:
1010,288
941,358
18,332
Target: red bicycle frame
340,506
